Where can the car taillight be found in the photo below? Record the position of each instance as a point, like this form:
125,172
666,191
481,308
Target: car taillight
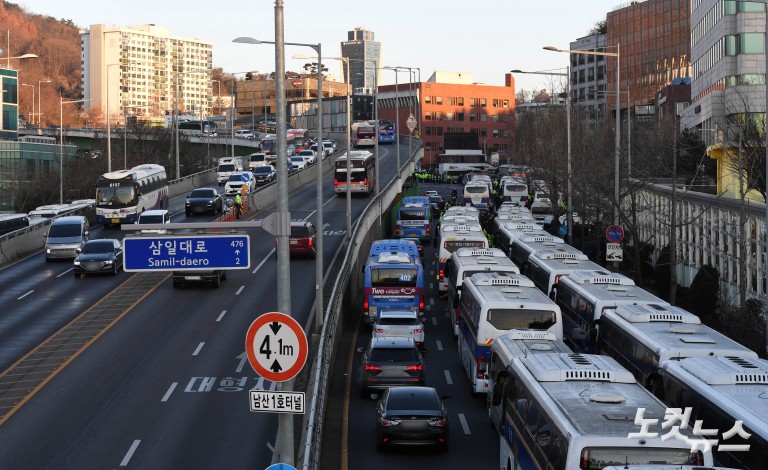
365,303
428,229
480,374
414,367
397,231
365,182
421,304
416,331
310,243
557,279
438,422
369,367
388,422
379,330
440,276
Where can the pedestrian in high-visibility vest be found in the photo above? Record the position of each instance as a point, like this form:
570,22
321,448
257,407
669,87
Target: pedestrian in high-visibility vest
238,205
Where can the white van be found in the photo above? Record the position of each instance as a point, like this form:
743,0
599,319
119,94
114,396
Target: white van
155,216
65,236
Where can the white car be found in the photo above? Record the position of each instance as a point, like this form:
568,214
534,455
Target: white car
405,323
309,156
298,162
236,181
245,134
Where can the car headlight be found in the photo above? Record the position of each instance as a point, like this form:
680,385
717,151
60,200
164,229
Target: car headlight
108,262
77,263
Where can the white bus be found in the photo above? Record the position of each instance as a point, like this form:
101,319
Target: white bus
465,262
584,295
546,267
514,189
721,391
121,196
476,193
576,412
642,337
492,304
523,247
515,344
363,134
506,232
453,237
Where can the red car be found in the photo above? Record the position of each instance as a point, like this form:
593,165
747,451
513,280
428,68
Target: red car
302,239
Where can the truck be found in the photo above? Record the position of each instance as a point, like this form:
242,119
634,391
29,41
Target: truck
227,165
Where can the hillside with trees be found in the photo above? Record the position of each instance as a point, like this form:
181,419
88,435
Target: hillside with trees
56,42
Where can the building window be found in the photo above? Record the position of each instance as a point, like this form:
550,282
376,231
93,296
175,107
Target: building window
438,116
482,102
460,101
505,103
427,99
439,100
449,116
473,101
428,130
495,132
505,133
483,117
428,117
439,130
459,116
496,103
483,132
472,117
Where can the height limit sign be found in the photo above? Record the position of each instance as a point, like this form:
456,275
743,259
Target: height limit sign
276,346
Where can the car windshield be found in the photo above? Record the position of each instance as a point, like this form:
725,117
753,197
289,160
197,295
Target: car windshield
151,219
201,193
64,230
419,400
257,158
99,246
227,167
263,170
235,179
393,355
298,232
297,159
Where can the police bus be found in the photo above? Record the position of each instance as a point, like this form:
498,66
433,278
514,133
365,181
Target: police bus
584,295
453,237
492,304
642,337
507,231
515,344
522,247
465,262
723,392
546,267
577,411
414,218
514,189
394,245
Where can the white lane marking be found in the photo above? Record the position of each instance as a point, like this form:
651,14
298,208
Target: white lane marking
431,301
448,378
239,290
464,424
19,298
329,201
170,390
66,272
128,455
434,321
431,286
221,315
439,345
310,215
263,261
198,348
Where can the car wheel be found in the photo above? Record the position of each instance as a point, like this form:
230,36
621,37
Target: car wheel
47,259
224,276
217,281
187,213
114,269
77,275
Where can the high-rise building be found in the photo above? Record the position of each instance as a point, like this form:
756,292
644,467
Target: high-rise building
365,55
9,103
588,73
654,46
728,56
144,70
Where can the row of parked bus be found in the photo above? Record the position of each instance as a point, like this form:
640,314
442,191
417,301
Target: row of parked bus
581,367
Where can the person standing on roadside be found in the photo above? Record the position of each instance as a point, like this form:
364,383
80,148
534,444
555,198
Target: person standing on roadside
238,205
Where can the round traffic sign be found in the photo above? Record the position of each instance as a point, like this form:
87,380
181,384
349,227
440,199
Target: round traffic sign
614,233
276,346
297,83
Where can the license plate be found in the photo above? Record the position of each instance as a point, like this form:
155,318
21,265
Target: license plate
294,242
193,278
115,221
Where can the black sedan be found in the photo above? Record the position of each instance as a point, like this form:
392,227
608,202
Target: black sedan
411,416
99,256
203,200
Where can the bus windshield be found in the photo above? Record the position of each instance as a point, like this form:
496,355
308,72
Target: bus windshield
597,458
521,319
393,277
115,194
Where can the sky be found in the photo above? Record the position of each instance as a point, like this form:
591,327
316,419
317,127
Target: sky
486,38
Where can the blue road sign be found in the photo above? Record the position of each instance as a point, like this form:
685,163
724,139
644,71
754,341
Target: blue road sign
281,466
186,253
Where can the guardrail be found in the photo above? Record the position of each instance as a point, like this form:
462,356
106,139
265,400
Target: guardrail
330,331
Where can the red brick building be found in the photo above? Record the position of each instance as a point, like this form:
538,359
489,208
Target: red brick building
449,102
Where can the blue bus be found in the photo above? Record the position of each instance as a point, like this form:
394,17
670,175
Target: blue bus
387,132
414,218
393,280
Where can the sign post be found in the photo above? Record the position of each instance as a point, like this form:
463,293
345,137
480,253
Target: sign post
613,252
277,350
411,123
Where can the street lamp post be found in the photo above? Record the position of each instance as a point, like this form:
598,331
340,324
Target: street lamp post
617,144
569,174
23,56
285,434
39,93
109,126
397,119
62,102
33,100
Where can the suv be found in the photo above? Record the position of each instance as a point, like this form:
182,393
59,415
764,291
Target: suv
257,159
236,182
264,174
302,239
390,362
400,323
155,216
65,236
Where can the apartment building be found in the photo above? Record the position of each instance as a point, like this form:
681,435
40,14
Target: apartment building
588,81
143,70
